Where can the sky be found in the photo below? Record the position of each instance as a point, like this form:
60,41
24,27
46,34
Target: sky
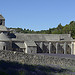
37,14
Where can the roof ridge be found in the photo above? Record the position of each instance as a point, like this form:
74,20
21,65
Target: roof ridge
4,37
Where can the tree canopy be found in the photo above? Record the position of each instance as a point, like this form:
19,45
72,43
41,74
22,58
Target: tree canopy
67,29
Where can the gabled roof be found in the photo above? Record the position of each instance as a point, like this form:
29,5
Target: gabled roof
43,37
3,28
30,43
3,37
1,17
30,39
20,45
58,37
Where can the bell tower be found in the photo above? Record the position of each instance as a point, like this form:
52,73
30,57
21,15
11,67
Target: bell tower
3,28
2,20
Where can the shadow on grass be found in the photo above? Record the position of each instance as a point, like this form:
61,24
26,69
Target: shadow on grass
14,68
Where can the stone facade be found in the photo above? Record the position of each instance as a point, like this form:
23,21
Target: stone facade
54,47
38,59
35,43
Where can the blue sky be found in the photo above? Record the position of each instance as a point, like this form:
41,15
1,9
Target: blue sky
37,14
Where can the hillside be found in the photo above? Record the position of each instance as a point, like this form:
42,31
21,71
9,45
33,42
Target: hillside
67,29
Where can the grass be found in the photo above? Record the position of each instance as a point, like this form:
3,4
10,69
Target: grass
14,68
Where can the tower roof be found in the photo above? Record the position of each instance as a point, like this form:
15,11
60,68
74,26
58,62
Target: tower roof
3,28
3,37
1,17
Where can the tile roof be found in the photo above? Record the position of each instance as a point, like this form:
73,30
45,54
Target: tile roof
30,39
20,45
3,28
3,37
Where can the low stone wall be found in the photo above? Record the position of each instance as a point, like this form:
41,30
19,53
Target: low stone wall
38,59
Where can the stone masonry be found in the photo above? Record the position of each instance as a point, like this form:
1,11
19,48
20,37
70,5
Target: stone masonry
38,59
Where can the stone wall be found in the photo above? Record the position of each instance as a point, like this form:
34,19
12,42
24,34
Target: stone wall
38,59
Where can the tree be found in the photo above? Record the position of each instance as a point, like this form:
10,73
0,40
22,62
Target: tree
66,29
49,31
59,28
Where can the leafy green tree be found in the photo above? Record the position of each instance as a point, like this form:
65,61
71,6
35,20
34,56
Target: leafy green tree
49,31
66,29
59,28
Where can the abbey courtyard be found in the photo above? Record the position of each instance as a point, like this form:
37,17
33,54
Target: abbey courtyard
35,43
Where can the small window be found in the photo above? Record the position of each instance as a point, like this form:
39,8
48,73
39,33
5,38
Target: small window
62,39
4,48
0,22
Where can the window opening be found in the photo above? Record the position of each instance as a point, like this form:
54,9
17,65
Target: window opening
0,22
4,48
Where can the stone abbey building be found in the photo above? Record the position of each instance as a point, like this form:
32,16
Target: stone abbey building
35,43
